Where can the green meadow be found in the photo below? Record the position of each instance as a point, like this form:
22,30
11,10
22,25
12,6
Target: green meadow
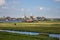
41,27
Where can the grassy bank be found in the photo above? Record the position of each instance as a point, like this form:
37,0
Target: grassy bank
45,26
11,36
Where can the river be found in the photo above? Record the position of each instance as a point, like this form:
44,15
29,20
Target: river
31,33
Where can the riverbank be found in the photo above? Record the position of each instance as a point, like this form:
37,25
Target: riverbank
33,33
14,36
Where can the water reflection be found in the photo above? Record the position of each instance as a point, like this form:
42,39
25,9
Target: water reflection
55,35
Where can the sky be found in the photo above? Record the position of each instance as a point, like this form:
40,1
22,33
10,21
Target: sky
17,8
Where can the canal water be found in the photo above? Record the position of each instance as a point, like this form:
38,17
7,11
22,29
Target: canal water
31,33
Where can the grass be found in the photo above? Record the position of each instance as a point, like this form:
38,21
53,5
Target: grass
13,36
43,27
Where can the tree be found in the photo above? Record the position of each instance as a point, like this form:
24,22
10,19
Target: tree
38,18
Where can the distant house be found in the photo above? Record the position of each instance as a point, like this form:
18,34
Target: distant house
9,19
43,18
27,19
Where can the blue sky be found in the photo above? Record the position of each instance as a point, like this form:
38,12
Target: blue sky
16,8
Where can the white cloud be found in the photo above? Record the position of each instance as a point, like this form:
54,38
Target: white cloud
57,0
41,8
2,2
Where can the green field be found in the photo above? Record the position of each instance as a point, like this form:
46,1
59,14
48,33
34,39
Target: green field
41,27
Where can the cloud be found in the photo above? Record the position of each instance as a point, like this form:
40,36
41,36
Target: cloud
41,8
57,0
2,2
